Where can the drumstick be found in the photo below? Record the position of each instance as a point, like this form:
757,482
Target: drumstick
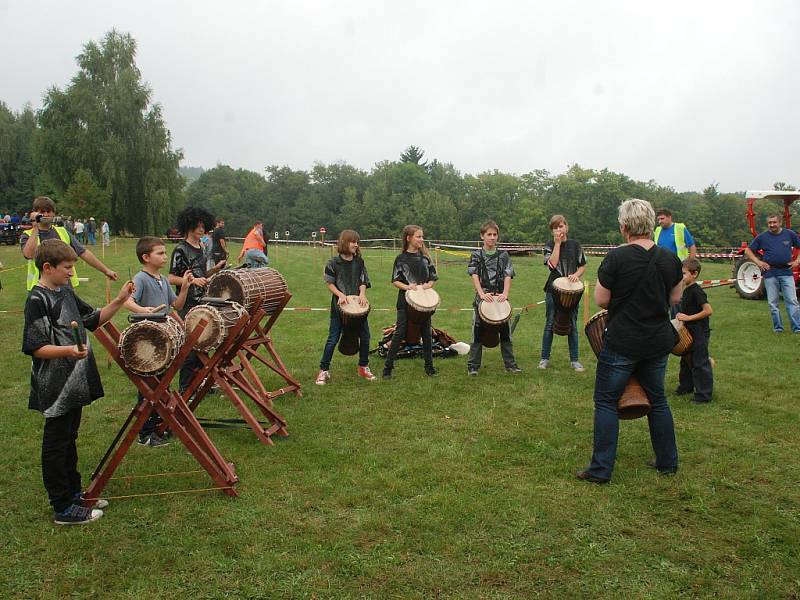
108,301
159,308
77,336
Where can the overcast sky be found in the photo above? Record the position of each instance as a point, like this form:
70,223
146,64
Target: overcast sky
685,92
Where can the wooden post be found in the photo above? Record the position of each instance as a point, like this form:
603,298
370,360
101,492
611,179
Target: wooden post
115,246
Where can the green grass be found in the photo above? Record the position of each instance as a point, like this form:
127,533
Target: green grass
418,487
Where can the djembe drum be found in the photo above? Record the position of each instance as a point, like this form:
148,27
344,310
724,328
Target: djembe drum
685,341
352,316
634,402
566,295
148,347
220,319
493,316
422,303
247,286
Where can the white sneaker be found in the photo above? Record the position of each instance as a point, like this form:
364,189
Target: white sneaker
323,377
578,367
544,363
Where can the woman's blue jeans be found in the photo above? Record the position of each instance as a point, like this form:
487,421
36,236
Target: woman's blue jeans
613,372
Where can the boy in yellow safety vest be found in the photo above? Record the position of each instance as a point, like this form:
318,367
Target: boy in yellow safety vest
43,228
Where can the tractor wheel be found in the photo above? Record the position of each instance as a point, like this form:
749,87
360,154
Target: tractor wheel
749,281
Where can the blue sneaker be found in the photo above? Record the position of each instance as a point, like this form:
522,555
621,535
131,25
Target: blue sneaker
79,497
77,515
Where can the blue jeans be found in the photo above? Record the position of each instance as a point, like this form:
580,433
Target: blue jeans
783,286
256,258
547,336
613,372
334,333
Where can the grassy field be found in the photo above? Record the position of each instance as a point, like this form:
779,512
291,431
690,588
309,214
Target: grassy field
419,487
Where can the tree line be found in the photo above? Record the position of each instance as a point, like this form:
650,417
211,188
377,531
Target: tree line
101,147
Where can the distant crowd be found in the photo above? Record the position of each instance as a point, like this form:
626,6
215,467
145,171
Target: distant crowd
85,230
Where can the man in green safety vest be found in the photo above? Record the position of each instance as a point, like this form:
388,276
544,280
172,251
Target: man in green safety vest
42,228
674,236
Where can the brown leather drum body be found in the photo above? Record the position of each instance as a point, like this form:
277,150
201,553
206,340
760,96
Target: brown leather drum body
685,341
352,316
149,347
634,402
220,320
422,303
246,286
566,295
493,316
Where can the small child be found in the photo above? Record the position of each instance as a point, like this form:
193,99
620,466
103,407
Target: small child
346,275
491,273
412,268
696,374
64,376
154,292
565,258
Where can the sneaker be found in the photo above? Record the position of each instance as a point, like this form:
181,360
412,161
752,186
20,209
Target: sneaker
472,372
544,363
75,514
387,374
101,503
514,369
576,366
586,476
430,371
153,441
365,373
323,377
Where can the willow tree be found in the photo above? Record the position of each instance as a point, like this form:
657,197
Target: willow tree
104,123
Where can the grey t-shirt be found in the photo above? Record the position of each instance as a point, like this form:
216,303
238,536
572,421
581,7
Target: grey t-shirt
151,291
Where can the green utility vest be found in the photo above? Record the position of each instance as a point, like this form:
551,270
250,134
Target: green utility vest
680,239
33,272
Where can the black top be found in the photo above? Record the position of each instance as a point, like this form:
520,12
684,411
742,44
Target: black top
692,303
638,315
412,267
59,385
185,256
570,257
216,249
347,275
491,269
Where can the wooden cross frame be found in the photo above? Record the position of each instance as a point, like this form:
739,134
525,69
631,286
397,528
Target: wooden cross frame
241,342
175,415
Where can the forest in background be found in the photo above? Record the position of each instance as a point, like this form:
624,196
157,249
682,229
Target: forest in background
100,147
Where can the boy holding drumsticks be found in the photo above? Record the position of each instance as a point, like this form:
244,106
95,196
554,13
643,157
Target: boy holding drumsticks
491,273
64,376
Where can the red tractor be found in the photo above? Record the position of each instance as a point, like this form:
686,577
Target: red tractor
749,283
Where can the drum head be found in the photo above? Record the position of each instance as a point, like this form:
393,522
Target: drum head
495,312
424,300
353,308
214,333
565,285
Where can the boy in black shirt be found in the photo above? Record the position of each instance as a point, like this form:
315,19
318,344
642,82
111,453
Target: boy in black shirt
491,273
696,374
64,376
564,258
188,255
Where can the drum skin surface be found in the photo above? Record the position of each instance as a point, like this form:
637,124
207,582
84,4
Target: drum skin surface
494,313
149,347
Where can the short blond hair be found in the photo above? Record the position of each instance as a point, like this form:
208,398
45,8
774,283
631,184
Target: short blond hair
637,216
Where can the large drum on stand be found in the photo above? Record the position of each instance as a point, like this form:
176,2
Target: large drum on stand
352,316
148,347
634,402
220,319
566,295
246,286
493,316
422,303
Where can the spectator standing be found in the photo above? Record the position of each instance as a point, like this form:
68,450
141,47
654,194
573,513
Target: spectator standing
91,230
104,230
